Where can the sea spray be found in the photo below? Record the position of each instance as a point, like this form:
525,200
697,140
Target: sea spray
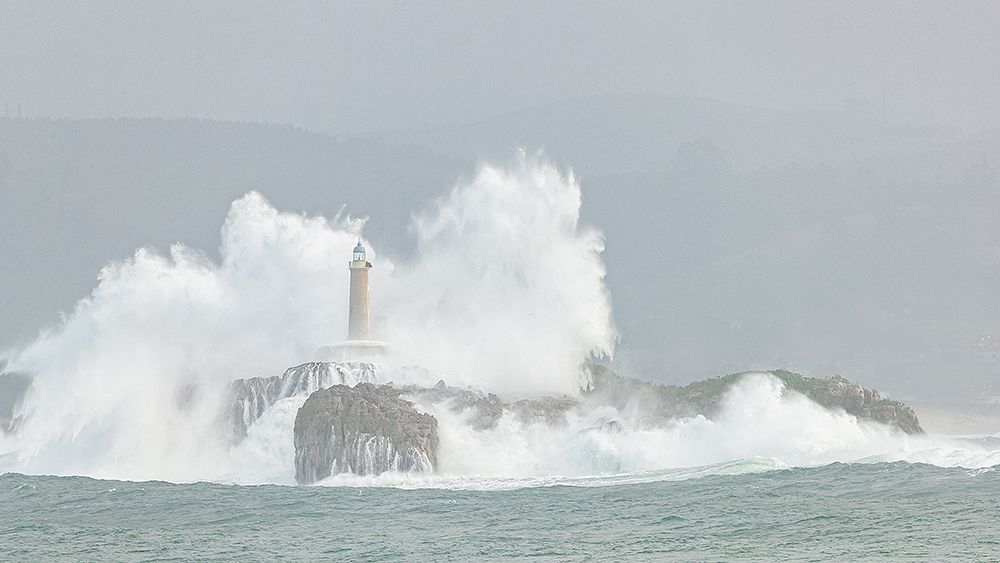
130,384
506,292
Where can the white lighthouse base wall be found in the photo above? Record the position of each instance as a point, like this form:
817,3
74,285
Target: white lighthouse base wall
353,350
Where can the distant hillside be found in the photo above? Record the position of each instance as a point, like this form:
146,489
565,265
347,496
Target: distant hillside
639,132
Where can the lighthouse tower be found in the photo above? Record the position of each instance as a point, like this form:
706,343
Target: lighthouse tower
359,345
358,327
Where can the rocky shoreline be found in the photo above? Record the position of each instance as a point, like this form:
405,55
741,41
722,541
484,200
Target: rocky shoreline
350,424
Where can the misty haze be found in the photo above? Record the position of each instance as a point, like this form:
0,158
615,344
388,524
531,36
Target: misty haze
608,265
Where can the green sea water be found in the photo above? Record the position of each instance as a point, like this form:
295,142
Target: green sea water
843,512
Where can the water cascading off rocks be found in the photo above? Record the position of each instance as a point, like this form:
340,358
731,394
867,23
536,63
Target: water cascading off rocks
365,430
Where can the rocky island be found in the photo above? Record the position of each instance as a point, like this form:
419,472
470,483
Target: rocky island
350,424
347,422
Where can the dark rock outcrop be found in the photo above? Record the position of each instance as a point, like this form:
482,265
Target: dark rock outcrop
704,397
366,430
860,401
550,410
247,399
605,425
486,408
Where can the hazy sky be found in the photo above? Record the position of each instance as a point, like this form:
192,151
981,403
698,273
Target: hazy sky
737,237
342,67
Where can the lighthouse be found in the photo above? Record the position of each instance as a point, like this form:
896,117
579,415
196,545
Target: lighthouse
359,345
358,327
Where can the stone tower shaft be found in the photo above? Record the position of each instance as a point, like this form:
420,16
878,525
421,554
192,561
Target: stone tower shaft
358,327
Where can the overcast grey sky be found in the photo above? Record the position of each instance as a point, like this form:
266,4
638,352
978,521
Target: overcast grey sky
829,241
346,67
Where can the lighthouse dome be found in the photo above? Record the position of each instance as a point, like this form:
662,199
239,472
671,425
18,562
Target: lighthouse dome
359,252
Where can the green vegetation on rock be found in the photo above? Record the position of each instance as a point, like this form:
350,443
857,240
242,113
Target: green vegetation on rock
704,397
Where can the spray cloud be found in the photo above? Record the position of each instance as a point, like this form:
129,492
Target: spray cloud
506,291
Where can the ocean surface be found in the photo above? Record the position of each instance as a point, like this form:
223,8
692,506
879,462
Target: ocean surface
858,511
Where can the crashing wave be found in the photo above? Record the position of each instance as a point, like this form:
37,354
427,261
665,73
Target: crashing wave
248,399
